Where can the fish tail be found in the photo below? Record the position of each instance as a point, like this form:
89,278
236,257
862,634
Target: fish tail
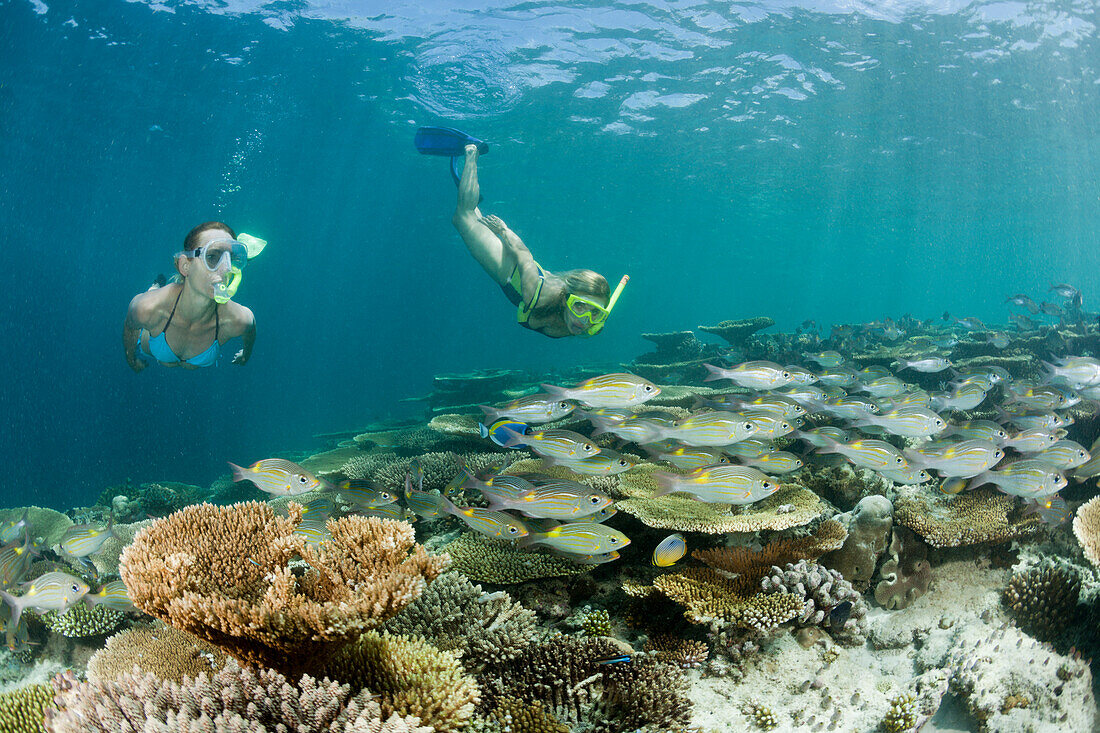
903,365
601,424
447,506
491,413
482,430
555,391
666,483
915,458
514,438
16,608
831,446
713,372
238,472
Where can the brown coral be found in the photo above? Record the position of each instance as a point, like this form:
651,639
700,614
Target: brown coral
225,575
1086,526
982,516
711,597
489,560
1044,599
411,677
829,535
234,700
163,650
22,710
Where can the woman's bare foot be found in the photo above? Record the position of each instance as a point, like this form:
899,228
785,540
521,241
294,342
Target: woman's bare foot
471,152
494,224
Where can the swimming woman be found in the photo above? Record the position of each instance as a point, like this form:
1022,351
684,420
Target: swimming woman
571,303
186,323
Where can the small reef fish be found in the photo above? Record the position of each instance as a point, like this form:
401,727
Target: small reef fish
620,659
986,430
906,476
424,504
768,425
554,443
826,359
800,375
1031,441
966,397
838,377
751,375
605,463
911,422
1076,371
53,591
722,484
559,501
820,437
716,428
927,364
1028,478
537,408
1051,509
953,485
579,538
597,559
850,407
364,494
690,459
388,511
838,614
81,540
12,530
486,521
495,432
669,550
314,530
319,509
883,387
809,396
112,595
775,463
748,448
780,405
277,476
15,561
608,390
965,459
873,454
635,429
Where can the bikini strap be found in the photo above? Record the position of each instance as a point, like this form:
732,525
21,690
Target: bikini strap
169,321
216,323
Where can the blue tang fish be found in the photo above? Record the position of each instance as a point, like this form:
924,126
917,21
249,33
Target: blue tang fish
496,432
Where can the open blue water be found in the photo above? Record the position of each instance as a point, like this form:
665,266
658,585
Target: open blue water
839,161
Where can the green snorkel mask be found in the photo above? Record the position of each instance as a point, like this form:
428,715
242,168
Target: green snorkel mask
591,312
236,252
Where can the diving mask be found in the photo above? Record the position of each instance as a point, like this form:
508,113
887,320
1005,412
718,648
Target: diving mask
590,312
231,256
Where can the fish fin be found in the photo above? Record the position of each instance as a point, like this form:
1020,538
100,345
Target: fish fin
238,472
713,372
482,430
514,438
666,483
16,608
550,389
491,413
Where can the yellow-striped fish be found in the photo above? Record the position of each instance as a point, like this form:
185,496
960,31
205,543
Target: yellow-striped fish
53,591
965,459
554,501
277,476
15,561
319,509
722,484
608,390
580,538
82,540
365,494
12,530
714,428
769,426
873,454
315,531
1064,455
388,511
669,550
690,459
751,375
486,521
112,595
912,422
536,408
422,503
776,463
605,463
554,443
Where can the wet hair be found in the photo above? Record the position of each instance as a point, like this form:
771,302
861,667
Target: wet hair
191,241
585,283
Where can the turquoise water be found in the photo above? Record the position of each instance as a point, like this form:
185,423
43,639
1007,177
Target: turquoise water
840,162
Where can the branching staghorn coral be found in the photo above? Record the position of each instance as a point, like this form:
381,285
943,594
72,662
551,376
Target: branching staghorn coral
224,574
234,700
159,649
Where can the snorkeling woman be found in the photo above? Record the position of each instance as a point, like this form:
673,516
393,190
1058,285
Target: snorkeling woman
572,303
185,323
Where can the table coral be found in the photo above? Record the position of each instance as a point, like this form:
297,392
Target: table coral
224,574
713,598
982,516
829,535
1086,526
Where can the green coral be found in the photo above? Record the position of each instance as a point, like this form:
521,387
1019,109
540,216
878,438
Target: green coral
902,714
23,710
488,560
80,621
596,623
761,714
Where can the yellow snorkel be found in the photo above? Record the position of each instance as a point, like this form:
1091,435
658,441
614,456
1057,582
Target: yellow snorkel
597,315
224,291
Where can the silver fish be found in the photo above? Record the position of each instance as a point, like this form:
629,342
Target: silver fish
751,374
554,443
1027,478
532,409
965,459
721,484
53,591
608,390
579,538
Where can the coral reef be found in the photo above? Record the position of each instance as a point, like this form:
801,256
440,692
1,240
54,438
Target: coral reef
684,653
868,526
80,621
596,622
565,675
982,516
234,699
23,710
411,677
490,560
760,714
159,649
735,332
712,598
1044,598
907,574
47,525
1086,527
512,715
842,485
821,591
453,614
829,535
224,574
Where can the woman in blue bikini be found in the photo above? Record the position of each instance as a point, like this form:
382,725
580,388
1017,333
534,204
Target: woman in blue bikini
185,323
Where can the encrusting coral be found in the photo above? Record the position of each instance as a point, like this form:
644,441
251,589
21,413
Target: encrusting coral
822,590
1086,527
225,575
234,700
907,574
455,615
410,676
159,649
982,516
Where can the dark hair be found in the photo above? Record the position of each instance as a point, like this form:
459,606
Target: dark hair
585,283
191,241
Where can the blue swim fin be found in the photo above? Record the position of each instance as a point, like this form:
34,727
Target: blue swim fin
447,142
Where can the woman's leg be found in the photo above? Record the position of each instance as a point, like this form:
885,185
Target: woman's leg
485,246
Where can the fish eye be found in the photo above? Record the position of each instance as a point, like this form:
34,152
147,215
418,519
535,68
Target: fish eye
766,485
563,405
749,426
594,499
614,540
302,479
648,388
899,460
622,462
75,588
512,530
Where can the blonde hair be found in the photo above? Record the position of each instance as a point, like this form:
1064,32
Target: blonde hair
585,283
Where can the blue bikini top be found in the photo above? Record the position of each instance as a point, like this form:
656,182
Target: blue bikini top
162,352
